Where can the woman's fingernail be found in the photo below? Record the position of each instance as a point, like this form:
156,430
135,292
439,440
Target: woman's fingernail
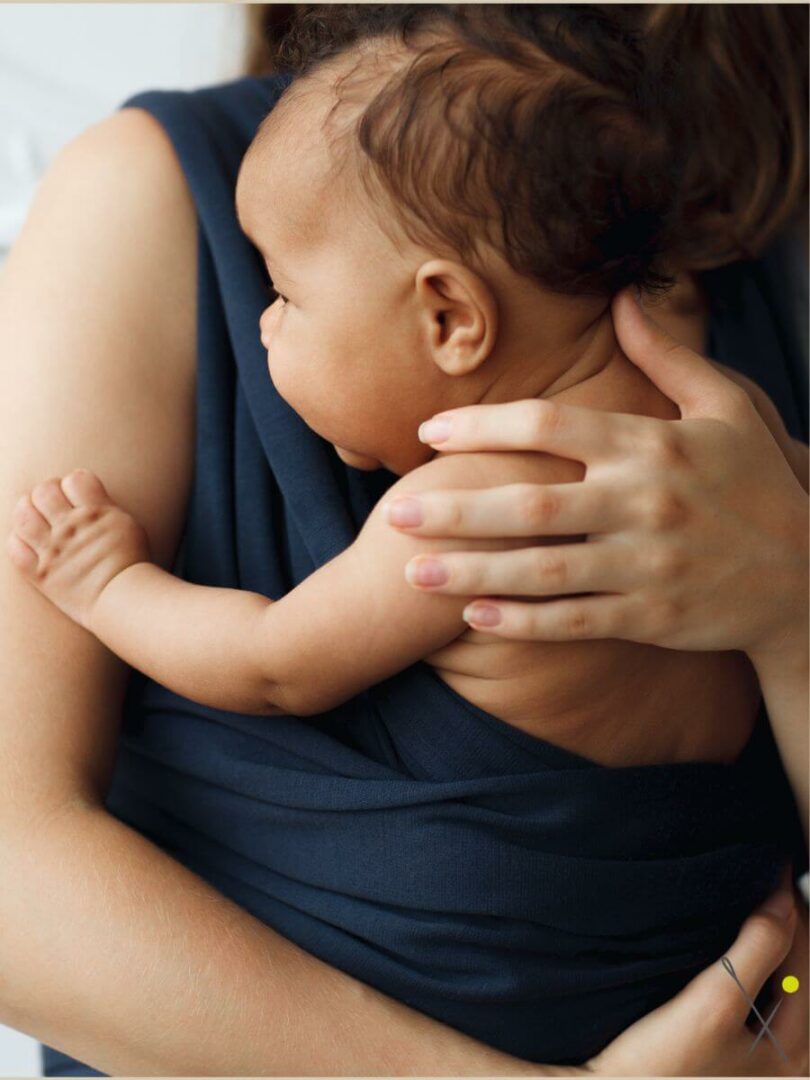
436,430
403,511
482,614
780,904
426,572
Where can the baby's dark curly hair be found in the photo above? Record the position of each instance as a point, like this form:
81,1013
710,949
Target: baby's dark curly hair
548,131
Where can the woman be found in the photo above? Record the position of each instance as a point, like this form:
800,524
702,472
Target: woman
178,979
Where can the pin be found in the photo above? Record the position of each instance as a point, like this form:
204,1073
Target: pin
727,964
764,1029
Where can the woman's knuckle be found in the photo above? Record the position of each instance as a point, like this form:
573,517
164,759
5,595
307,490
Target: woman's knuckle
664,563
768,939
739,400
578,624
665,448
536,507
546,418
664,509
550,567
721,1017
665,613
452,513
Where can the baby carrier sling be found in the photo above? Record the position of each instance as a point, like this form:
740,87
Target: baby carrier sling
507,887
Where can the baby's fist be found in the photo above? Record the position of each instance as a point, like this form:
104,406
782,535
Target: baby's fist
69,539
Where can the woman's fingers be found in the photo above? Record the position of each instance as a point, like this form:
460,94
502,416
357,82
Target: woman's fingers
541,570
511,510
790,1023
688,379
571,431
592,618
762,944
701,1031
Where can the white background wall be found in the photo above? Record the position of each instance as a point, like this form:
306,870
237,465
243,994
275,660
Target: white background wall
65,66
62,68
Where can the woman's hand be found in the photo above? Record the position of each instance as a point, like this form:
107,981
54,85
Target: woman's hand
697,528
702,1032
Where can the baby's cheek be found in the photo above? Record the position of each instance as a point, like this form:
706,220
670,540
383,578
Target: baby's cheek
285,374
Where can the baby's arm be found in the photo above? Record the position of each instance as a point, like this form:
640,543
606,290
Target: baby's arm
350,624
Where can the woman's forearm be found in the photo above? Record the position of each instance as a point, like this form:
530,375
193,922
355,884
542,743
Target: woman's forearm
114,953
782,661
783,678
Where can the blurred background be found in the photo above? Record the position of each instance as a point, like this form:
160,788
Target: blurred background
65,66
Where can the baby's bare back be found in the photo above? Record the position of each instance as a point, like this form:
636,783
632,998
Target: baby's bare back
617,702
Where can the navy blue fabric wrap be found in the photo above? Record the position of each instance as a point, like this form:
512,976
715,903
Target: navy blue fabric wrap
514,890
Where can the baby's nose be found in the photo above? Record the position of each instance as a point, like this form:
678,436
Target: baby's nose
266,324
264,329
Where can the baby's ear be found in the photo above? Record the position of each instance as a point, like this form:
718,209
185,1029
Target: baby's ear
459,313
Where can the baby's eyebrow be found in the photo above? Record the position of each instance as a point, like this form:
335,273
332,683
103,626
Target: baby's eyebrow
268,259
256,243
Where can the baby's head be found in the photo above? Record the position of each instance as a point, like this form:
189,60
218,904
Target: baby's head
445,209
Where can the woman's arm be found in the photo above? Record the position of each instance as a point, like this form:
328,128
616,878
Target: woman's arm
702,1030
109,949
784,678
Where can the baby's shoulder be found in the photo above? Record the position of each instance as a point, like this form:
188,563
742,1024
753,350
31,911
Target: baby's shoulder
482,469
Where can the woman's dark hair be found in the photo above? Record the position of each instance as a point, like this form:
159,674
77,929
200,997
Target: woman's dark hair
591,145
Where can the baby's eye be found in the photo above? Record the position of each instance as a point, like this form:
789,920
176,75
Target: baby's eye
275,294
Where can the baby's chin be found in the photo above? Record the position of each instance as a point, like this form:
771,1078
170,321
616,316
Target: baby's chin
357,461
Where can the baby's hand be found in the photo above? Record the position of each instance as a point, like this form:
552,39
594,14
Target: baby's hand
70,540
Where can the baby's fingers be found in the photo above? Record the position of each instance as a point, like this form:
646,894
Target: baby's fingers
84,488
49,498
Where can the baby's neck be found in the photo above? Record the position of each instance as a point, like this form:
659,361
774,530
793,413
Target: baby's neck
587,367
566,351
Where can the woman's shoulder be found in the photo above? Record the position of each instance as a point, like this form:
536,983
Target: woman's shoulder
102,278
138,225
223,115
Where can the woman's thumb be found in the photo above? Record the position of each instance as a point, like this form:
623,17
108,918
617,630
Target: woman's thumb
687,379
728,986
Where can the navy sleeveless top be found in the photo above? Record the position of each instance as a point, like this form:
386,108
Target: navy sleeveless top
507,887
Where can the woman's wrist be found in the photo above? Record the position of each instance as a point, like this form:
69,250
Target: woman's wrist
783,679
790,661
786,653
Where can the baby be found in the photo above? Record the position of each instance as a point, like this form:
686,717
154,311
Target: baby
442,227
